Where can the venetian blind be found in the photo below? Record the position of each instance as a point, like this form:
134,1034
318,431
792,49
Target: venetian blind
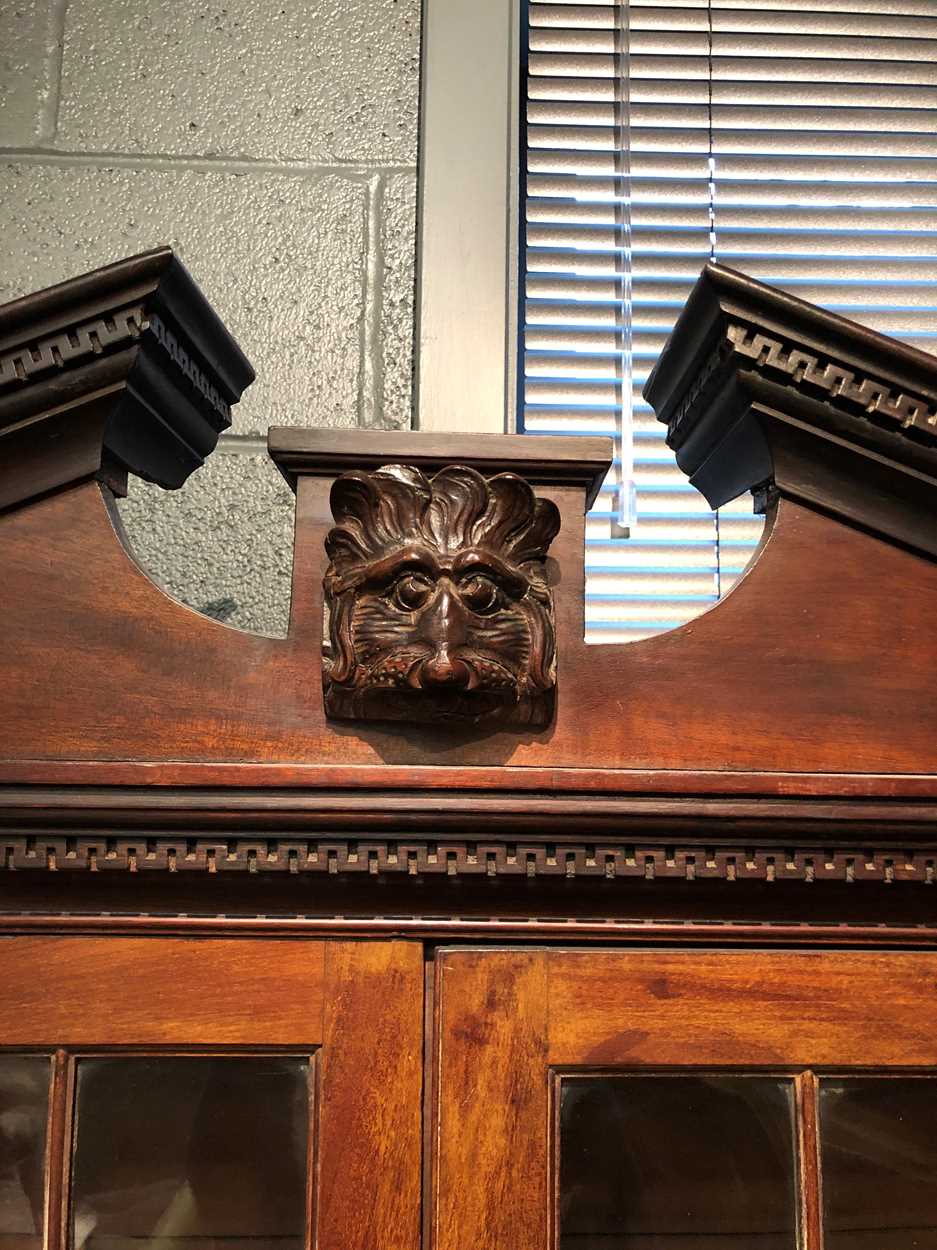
792,140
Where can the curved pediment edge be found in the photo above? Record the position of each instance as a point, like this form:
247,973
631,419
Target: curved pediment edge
164,599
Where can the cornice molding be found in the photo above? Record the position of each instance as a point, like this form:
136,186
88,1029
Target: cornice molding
542,461
455,929
379,802
914,414
78,342
125,369
813,374
759,389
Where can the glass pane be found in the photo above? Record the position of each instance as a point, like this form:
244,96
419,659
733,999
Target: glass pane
878,1139
24,1113
658,1162
174,1154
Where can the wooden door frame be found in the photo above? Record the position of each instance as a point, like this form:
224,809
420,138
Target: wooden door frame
356,1007
509,1021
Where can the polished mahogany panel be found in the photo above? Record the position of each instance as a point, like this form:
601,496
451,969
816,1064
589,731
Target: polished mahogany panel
812,667
512,1028
822,688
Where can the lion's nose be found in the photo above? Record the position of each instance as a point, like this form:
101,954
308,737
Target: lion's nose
443,627
442,624
441,671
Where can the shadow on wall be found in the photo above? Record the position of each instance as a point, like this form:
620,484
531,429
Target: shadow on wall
223,544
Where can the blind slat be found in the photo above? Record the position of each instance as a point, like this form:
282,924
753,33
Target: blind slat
778,21
730,114
751,141
870,8
772,65
743,39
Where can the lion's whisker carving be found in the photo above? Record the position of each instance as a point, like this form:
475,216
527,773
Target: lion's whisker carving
439,606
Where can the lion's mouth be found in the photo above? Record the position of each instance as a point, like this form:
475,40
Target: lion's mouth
446,675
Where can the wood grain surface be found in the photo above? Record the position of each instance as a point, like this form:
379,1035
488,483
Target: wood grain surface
356,1007
491,1088
90,992
785,1009
370,1114
813,664
507,1021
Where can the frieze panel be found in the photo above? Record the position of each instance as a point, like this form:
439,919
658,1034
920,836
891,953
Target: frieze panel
410,857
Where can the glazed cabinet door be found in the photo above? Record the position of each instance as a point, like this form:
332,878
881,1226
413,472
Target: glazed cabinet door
214,1094
660,1100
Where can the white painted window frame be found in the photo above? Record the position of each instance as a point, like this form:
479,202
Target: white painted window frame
467,270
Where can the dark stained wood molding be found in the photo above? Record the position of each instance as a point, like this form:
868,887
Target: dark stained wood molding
453,930
370,786
125,369
450,813
542,461
489,857
761,391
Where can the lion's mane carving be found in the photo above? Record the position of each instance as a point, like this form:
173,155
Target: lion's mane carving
439,607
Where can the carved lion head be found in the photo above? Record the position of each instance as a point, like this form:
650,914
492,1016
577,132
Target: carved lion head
439,608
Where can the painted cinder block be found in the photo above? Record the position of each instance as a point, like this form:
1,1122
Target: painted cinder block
223,543
280,258
322,80
397,300
28,69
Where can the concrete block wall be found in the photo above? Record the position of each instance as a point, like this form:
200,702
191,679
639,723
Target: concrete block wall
273,144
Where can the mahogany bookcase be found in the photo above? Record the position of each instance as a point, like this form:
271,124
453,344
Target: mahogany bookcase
548,943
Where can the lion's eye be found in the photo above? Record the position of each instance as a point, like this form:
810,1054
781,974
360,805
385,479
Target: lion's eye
480,594
411,592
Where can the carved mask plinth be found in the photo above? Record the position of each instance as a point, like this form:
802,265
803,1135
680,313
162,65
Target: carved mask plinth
438,601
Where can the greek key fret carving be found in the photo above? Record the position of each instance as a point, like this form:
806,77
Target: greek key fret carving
409,857
94,338
56,351
868,393
839,384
